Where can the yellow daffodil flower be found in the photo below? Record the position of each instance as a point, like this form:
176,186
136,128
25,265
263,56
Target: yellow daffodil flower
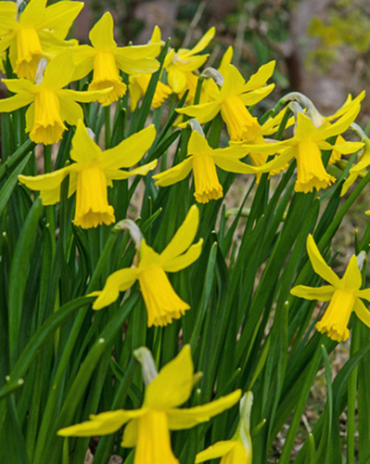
39,27
106,59
231,100
50,104
344,295
162,303
182,64
238,450
148,428
305,146
91,174
202,160
138,83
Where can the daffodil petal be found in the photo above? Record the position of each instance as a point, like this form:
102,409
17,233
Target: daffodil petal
233,83
365,294
352,278
251,98
186,259
217,450
59,72
31,14
203,42
176,79
233,165
174,383
14,103
203,112
84,149
130,151
59,17
313,293
260,77
186,418
277,163
83,59
184,236
319,265
226,60
341,124
175,174
116,174
117,282
8,12
141,66
362,312
305,128
70,111
86,96
198,144
19,85
101,35
346,148
101,424
129,438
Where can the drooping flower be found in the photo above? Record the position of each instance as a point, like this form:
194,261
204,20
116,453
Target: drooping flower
91,174
231,100
162,303
106,60
202,160
38,29
50,104
138,83
148,428
238,450
344,295
182,64
305,147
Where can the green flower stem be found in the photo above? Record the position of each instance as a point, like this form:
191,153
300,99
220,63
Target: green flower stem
352,389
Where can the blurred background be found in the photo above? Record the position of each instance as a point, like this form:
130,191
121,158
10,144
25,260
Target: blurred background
322,47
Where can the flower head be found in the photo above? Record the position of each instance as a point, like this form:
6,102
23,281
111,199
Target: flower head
306,146
106,60
148,428
344,295
92,172
238,450
231,100
181,65
38,29
162,303
50,104
202,160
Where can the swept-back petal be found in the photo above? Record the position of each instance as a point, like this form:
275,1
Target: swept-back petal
175,174
46,182
83,59
251,98
226,60
101,424
319,265
70,111
198,144
84,149
59,72
19,85
116,174
184,236
365,294
117,282
362,312
203,112
176,79
217,450
15,102
86,96
173,385
234,82
32,13
59,17
279,162
232,165
130,151
342,124
313,293
101,35
352,279
203,42
183,261
129,438
187,418
139,52
260,77
8,12
344,148
141,66
305,128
